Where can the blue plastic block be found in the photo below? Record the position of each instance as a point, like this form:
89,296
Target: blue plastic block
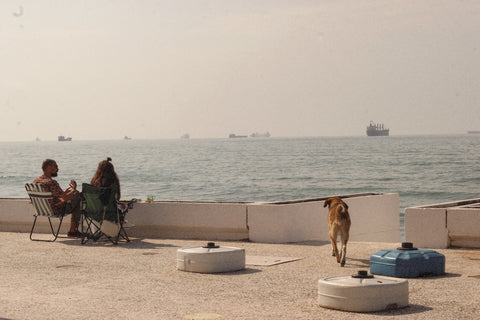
407,262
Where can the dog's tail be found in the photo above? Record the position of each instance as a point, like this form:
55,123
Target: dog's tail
342,209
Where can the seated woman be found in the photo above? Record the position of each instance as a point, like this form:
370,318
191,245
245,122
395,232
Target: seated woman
105,176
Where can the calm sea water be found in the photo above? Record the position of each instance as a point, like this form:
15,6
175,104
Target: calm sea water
422,169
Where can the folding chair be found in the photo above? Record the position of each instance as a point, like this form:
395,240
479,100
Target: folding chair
40,201
103,214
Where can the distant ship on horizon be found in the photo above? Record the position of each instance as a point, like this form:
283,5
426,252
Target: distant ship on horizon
377,129
260,135
62,138
233,135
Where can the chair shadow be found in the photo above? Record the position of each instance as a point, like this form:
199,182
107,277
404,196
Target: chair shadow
135,243
140,243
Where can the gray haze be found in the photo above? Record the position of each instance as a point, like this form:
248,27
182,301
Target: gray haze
101,69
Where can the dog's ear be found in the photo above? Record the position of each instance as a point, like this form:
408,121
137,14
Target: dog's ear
327,202
346,205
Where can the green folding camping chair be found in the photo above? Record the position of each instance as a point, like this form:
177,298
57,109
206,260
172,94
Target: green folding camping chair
41,198
103,215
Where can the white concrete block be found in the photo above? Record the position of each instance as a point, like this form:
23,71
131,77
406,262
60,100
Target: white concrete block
375,218
190,214
196,220
292,222
464,227
426,227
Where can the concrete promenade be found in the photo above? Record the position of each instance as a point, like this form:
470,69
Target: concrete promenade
139,280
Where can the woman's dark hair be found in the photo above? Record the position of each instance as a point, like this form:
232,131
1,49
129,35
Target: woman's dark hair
106,176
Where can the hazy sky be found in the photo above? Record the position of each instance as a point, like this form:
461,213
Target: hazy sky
102,69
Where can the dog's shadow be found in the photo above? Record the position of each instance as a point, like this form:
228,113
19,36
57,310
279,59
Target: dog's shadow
314,243
364,263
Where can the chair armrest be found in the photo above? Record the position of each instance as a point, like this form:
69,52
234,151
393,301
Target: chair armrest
127,203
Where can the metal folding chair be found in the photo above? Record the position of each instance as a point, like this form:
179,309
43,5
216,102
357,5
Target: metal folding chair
41,203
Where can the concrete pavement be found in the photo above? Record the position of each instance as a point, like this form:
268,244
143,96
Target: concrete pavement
139,280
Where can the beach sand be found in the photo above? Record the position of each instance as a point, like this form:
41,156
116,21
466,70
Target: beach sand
139,280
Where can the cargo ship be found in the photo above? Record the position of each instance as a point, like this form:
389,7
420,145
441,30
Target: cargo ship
62,138
377,129
233,135
260,135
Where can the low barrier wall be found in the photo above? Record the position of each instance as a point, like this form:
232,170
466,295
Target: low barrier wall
375,218
444,225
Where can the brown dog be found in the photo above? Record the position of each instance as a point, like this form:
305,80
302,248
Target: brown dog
338,223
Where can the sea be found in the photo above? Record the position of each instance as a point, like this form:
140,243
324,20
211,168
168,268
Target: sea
421,169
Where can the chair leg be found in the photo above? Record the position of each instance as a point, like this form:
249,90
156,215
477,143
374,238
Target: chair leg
95,236
55,234
116,239
58,229
122,231
84,231
123,234
33,226
88,233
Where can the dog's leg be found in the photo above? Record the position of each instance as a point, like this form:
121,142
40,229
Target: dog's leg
333,239
344,249
334,242
335,252
344,254
334,249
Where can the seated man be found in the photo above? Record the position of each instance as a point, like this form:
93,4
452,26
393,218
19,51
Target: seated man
68,200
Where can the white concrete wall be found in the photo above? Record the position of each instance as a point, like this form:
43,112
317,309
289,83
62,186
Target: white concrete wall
189,220
374,218
426,227
464,227
284,223
444,225
16,215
